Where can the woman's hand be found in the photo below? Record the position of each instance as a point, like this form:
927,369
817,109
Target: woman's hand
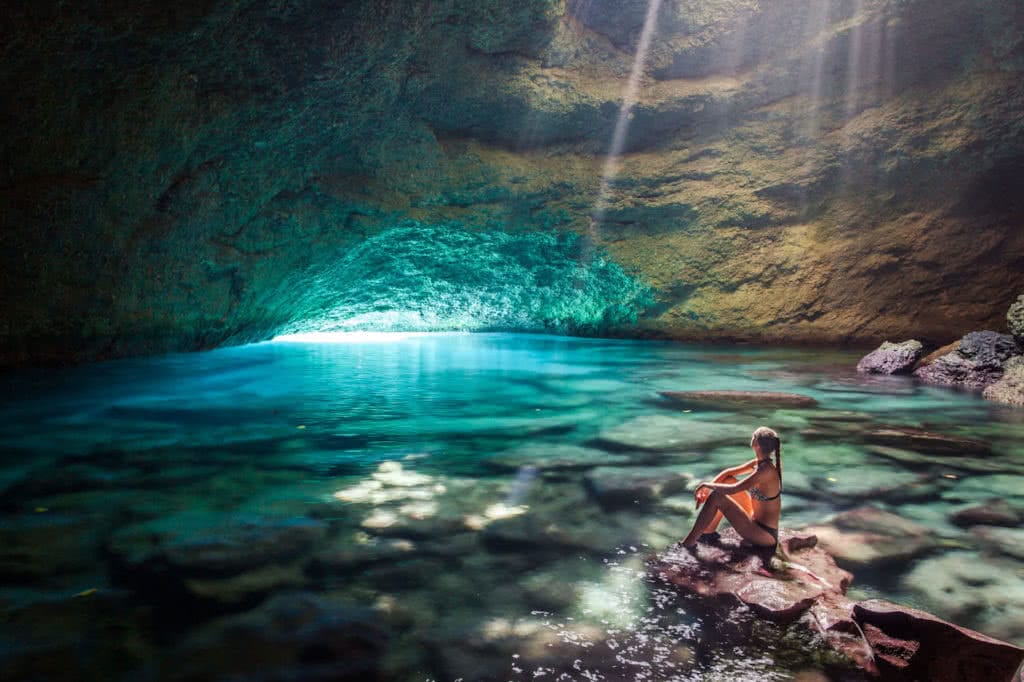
702,492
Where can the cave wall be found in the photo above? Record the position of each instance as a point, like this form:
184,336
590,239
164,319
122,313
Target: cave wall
177,177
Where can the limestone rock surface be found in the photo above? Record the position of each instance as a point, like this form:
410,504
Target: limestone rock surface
975,365
182,177
891,358
1009,390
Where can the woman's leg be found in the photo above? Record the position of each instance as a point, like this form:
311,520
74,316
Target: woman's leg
737,516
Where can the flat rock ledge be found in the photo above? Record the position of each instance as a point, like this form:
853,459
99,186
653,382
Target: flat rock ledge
802,587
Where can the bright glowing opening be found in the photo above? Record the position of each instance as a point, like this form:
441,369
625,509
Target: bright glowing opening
355,337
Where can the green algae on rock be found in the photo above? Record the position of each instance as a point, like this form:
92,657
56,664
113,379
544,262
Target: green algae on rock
441,278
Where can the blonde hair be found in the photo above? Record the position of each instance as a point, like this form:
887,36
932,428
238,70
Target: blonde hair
769,442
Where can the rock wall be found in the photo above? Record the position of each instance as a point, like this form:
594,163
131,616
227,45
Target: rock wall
182,176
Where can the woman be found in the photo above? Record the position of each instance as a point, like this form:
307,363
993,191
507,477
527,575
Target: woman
754,512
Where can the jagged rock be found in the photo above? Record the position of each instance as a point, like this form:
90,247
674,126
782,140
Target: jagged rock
1009,390
914,645
739,399
808,589
1015,319
938,353
975,364
731,573
995,512
293,636
870,537
891,358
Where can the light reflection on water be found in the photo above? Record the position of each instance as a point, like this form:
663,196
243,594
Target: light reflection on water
428,460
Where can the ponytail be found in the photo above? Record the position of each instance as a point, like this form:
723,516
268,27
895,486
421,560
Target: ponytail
778,460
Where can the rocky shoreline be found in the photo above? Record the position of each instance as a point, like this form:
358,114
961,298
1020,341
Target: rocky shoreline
803,587
988,362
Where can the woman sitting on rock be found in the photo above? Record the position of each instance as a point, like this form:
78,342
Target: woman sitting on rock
752,505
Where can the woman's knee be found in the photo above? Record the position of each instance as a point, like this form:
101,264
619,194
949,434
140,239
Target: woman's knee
716,496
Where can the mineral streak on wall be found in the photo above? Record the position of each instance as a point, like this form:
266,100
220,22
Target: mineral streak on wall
182,175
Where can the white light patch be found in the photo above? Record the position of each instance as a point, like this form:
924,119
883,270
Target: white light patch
353,337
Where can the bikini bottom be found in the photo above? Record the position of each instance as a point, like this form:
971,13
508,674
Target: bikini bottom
774,532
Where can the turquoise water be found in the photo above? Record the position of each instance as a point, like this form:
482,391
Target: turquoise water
393,508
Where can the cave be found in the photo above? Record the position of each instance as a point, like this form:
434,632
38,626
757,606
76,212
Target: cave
345,339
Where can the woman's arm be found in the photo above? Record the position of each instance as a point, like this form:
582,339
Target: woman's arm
736,471
733,488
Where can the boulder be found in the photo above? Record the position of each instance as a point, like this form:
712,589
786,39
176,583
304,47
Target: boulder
869,537
976,364
1006,541
731,573
891,358
807,590
914,645
735,400
1009,390
1015,319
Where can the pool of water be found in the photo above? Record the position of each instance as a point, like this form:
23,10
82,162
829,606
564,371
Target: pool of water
446,507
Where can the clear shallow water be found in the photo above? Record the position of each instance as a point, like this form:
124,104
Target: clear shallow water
393,504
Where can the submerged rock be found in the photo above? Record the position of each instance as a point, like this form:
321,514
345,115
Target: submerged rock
293,636
627,486
974,365
891,358
739,399
554,457
869,537
661,433
227,559
995,512
921,440
1009,390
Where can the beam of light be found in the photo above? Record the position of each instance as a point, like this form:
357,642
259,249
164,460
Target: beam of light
629,100
355,337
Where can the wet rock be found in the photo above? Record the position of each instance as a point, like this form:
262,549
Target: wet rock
627,486
359,549
869,537
1009,390
891,358
911,644
1015,320
293,636
920,440
976,364
738,400
732,573
554,457
995,512
661,433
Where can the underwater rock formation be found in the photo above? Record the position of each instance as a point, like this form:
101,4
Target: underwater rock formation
180,177
890,641
891,358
